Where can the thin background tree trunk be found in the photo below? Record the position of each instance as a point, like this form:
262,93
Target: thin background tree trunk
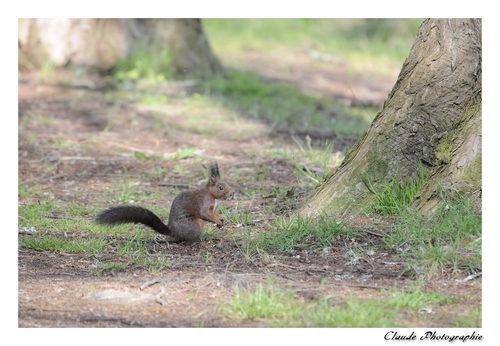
191,52
100,43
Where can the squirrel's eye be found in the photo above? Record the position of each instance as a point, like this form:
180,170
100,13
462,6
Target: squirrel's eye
221,187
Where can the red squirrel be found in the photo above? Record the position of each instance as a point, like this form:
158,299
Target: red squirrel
189,210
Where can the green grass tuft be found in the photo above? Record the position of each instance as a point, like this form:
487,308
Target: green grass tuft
288,234
154,264
448,241
54,244
277,308
395,197
153,64
416,300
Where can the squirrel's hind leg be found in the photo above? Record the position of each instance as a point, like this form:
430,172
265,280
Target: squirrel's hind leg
187,229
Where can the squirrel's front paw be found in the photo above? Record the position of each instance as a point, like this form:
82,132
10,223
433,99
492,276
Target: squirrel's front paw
222,222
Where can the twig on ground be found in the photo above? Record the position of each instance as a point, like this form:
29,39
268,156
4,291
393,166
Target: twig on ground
52,216
375,287
158,297
370,263
151,283
470,277
372,233
174,185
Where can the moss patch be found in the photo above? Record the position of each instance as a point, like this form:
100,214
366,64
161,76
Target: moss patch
473,174
444,150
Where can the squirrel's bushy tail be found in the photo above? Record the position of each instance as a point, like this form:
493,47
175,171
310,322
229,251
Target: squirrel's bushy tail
129,213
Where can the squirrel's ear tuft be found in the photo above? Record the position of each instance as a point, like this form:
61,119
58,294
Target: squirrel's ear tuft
214,169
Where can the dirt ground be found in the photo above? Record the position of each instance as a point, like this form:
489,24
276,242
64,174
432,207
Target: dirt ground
63,149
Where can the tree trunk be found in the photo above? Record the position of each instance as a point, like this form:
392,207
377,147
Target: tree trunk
100,43
186,41
430,120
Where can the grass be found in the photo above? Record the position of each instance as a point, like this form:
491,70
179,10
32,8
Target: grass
317,163
133,246
48,224
449,241
393,197
47,71
56,244
114,267
125,189
277,308
362,42
250,96
415,300
286,234
23,191
284,107
48,216
151,64
154,265
235,215
311,163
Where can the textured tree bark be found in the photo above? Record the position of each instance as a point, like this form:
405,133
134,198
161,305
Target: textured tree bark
460,161
431,119
100,43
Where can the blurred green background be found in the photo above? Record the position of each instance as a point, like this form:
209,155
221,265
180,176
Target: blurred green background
358,40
